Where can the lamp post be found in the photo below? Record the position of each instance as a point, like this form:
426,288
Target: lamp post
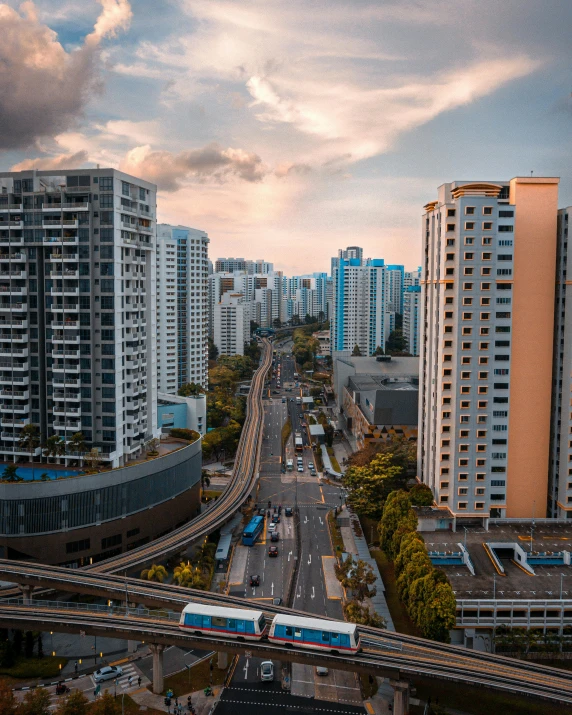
494,586
465,528
126,596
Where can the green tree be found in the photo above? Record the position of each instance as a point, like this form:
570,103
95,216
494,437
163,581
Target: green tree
396,342
7,699
77,444
106,705
421,495
379,351
29,441
396,510
190,389
357,576
44,477
403,453
359,613
10,473
356,352
73,704
54,446
368,486
155,573
36,702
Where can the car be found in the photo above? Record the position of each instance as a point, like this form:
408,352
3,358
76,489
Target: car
321,670
274,392
310,465
300,469
109,672
266,670
272,527
283,399
273,551
274,536
255,580
276,519
261,511
288,511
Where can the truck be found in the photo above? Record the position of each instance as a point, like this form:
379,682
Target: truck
289,464
299,444
298,400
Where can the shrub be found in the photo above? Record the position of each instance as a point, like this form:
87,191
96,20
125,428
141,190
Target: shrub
189,434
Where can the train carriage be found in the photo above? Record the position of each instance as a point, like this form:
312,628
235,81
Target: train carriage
239,623
315,633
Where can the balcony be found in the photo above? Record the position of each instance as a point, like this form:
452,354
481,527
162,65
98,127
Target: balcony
11,224
63,366
12,257
63,256
59,239
13,306
67,352
65,410
67,337
63,380
66,290
145,229
63,395
79,206
13,379
14,289
18,409
66,324
13,323
68,273
12,240
21,352
10,207
19,394
52,207
73,307
11,365
13,274
60,223
68,424
131,363
7,421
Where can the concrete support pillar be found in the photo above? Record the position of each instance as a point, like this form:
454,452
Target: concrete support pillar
222,661
157,651
132,646
400,697
26,593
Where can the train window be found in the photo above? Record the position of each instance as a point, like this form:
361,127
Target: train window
206,621
289,631
325,637
261,623
298,633
231,623
220,622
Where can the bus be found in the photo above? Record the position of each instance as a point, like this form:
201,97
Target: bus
289,464
252,531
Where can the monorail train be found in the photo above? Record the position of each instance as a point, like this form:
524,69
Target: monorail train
248,624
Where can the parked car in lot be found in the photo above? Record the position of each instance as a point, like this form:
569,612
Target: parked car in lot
109,672
273,551
255,580
310,465
300,469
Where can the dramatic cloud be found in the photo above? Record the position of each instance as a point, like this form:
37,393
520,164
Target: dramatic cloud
61,161
212,162
44,88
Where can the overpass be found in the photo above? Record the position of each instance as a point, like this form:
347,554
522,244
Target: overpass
380,655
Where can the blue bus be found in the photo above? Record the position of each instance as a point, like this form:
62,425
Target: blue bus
251,532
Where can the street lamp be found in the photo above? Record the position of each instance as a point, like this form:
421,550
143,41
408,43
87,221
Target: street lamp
494,586
465,528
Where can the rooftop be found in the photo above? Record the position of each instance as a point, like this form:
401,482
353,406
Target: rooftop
397,366
382,382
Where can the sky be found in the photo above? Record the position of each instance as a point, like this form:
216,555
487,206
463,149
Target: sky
288,129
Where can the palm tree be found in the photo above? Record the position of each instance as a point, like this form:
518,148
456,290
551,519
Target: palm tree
29,442
155,573
44,477
183,573
10,474
77,443
54,446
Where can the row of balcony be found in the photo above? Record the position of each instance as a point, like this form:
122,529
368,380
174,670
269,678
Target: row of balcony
56,206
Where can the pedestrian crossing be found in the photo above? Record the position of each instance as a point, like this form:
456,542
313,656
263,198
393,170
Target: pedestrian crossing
130,680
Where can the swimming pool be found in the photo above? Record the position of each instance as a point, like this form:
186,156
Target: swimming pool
27,474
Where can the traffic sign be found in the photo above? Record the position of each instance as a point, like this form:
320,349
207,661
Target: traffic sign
248,654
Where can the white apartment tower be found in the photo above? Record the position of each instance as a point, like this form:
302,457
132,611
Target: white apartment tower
411,303
183,306
486,347
232,318
77,313
361,314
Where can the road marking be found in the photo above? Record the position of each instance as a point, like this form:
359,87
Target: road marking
313,592
272,589
309,559
289,554
246,669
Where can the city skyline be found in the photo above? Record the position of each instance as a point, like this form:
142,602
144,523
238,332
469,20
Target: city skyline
261,134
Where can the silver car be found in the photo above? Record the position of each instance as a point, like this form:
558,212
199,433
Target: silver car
109,672
267,670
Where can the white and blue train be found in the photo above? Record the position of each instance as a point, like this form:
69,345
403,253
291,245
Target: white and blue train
248,624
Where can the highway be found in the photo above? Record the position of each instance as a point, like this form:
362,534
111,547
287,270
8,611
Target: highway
379,655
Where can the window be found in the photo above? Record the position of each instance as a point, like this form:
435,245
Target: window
451,213
469,210
487,241
468,271
469,225
467,316
487,210
466,346
505,257
450,227
506,229
479,505
73,547
469,256
450,257
467,286
463,491
106,201
487,226
466,301
469,240
465,376
483,375
462,505
482,405
486,271
106,183
110,541
485,286
486,316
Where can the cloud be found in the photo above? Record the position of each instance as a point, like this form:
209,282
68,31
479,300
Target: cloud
212,162
44,88
61,161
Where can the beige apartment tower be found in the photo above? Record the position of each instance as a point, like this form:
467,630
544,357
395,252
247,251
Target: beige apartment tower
486,346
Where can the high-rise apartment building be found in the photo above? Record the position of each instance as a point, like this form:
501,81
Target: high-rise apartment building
232,316
412,278
486,347
411,303
77,312
395,276
182,307
361,314
231,265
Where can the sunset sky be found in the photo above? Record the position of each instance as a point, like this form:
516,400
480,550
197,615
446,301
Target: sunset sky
289,129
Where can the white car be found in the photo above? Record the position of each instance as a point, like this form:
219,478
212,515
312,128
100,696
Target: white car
267,670
109,672
272,527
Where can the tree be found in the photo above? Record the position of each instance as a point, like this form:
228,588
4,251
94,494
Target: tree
396,342
54,446
105,705
73,704
92,459
295,320
29,442
36,702
356,352
190,389
77,444
155,573
379,351
277,323
7,699
421,495
44,477
369,486
403,453
359,613
396,509
357,576
10,474
213,350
